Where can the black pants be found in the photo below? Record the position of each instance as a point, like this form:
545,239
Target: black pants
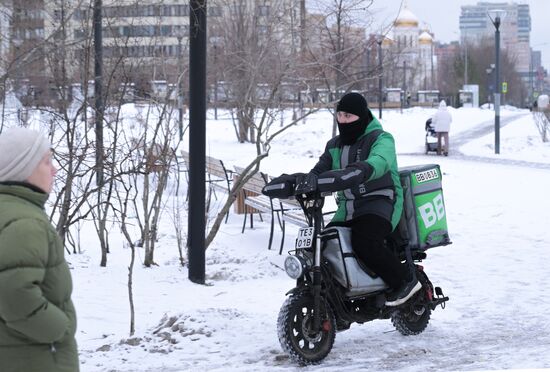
367,239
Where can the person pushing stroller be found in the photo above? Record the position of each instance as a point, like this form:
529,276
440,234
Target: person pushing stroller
441,122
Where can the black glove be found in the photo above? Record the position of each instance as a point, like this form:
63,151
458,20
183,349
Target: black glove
306,184
281,187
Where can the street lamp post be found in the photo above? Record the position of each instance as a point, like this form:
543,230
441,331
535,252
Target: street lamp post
490,89
216,42
179,86
465,62
380,73
531,85
367,66
432,79
498,15
497,85
197,140
216,80
405,95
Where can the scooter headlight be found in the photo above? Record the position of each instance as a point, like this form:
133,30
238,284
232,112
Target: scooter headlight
294,266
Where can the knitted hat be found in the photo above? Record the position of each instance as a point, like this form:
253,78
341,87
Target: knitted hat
21,150
353,103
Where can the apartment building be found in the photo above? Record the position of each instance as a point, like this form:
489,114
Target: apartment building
5,21
148,40
25,52
145,30
31,44
142,38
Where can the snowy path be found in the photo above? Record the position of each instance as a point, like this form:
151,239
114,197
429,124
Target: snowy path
495,273
482,129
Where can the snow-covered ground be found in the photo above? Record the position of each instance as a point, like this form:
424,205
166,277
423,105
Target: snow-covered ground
495,272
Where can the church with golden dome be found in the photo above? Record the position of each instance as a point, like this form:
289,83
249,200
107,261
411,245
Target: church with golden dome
412,51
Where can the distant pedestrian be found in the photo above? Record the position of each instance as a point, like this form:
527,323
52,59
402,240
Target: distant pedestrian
441,122
37,316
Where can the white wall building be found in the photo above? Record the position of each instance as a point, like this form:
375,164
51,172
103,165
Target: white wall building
413,48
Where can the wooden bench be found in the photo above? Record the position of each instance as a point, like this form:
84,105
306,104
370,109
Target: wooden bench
255,202
217,175
251,200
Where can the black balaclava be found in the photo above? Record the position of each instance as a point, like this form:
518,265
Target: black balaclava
353,103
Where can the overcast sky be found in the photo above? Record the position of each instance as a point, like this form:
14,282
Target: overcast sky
442,17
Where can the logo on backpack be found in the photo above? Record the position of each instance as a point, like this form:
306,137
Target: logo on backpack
432,211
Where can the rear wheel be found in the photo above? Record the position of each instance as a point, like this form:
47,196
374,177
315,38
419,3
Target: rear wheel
304,344
413,318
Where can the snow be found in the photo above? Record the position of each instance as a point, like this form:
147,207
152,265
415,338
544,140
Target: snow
495,272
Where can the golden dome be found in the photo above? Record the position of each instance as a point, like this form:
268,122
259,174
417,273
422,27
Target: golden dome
387,41
425,38
406,18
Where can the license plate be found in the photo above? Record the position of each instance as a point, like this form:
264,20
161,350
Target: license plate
305,238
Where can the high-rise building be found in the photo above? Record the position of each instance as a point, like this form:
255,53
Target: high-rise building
536,79
515,29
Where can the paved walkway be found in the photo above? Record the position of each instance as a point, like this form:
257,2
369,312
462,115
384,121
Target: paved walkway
481,130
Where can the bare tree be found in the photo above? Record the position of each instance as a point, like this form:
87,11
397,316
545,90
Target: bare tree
480,58
255,59
335,50
149,137
131,69
264,137
128,195
253,46
179,204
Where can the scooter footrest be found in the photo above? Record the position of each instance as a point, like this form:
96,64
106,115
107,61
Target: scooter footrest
440,299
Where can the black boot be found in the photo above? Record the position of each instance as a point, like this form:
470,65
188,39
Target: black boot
403,293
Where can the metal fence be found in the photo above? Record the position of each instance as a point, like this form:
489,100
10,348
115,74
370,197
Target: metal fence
542,119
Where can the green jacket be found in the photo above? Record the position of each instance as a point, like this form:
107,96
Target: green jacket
37,316
364,174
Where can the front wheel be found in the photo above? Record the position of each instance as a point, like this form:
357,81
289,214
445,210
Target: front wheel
294,327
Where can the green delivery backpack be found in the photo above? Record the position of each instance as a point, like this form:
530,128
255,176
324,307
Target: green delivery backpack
424,219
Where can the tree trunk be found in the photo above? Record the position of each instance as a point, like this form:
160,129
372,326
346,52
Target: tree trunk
145,234
130,291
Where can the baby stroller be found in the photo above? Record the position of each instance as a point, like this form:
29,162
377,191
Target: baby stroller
431,137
